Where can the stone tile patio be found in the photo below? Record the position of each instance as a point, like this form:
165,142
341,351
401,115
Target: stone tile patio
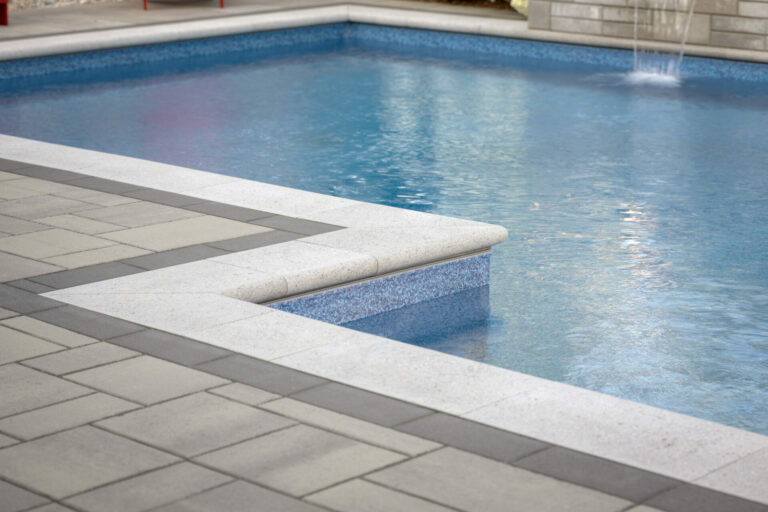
101,414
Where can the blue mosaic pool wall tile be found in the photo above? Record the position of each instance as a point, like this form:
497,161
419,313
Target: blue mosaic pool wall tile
298,39
430,321
376,296
337,36
610,58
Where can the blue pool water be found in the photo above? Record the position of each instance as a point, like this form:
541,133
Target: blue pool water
637,263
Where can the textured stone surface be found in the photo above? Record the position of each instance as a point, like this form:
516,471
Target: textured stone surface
146,380
471,482
22,389
76,460
151,489
80,358
64,415
15,346
362,496
195,424
300,459
351,427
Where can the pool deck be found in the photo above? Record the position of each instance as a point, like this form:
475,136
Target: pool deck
138,371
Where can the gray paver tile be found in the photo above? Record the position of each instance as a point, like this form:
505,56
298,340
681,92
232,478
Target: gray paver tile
195,424
471,482
151,490
95,197
96,256
168,346
64,415
162,197
16,346
31,208
13,267
87,322
351,427
51,507
10,190
361,404
362,496
13,498
79,224
80,358
253,241
48,173
146,380
91,274
294,225
643,508
6,441
51,242
472,437
5,313
245,394
48,331
30,286
300,459
24,302
23,389
7,176
102,185
692,498
175,257
16,226
229,211
77,460
617,479
261,374
138,214
180,233
239,497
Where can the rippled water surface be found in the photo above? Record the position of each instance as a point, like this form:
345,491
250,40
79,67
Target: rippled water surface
637,263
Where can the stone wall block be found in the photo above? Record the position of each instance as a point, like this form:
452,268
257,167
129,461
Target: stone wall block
539,14
733,40
753,9
579,26
735,24
716,6
626,30
627,15
590,12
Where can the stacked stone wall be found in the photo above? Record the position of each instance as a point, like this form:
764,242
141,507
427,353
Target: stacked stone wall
722,23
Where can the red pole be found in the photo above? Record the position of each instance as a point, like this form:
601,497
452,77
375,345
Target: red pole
221,2
145,5
4,12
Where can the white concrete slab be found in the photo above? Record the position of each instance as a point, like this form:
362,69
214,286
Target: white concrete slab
414,374
640,435
746,476
205,276
397,248
271,198
302,266
277,334
185,314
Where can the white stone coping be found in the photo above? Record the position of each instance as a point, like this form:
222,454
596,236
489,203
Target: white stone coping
207,300
341,13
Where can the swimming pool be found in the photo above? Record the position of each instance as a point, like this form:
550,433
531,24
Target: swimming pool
636,261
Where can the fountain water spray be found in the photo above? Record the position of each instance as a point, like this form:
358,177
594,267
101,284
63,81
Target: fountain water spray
658,68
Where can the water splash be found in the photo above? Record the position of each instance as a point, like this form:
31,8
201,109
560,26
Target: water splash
651,67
